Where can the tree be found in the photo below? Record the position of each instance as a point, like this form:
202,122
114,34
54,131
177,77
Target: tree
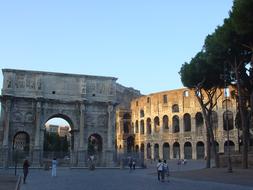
204,78
242,20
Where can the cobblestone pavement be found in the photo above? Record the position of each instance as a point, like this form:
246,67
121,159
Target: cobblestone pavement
115,179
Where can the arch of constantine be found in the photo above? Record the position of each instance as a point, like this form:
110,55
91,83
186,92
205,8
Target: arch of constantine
88,103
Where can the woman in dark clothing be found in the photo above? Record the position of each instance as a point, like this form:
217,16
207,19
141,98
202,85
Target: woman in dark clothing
25,169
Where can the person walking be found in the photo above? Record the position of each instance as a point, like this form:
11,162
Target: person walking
25,170
159,168
54,164
130,164
134,163
166,170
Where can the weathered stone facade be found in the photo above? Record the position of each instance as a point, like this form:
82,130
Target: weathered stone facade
30,98
170,125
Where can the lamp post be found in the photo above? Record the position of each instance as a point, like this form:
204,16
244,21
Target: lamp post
226,120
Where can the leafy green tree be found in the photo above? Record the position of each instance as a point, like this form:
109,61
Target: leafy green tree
204,78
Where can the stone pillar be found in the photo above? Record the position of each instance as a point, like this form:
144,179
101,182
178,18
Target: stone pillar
194,151
6,126
82,149
181,150
37,149
110,135
171,151
152,150
161,156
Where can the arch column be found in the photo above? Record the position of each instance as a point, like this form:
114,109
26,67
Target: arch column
6,127
110,134
194,150
171,151
37,149
181,150
82,150
160,151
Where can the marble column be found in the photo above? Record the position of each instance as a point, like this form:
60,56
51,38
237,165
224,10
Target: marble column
81,151
37,148
6,126
110,135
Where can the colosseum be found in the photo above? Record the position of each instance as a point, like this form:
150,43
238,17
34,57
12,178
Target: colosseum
170,125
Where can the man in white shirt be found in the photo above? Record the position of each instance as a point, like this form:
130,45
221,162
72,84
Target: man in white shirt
159,168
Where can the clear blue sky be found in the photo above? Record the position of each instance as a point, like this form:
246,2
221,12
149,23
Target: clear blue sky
141,42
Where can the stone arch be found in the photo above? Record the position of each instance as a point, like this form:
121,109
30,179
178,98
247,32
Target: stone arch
176,150
156,124
187,150
156,151
130,144
142,151
175,124
199,122
137,149
142,127
227,104
228,120
165,122
136,126
166,151
148,151
57,146
200,150
148,126
126,123
187,122
62,116
231,145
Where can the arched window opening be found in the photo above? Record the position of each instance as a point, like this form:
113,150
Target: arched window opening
187,122
148,126
165,122
200,148
156,151
175,108
156,124
228,123
136,126
142,127
175,124
166,151
227,104
188,150
142,113
176,150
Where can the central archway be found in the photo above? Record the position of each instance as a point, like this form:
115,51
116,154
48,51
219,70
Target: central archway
58,141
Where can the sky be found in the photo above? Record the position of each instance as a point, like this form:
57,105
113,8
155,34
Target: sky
141,42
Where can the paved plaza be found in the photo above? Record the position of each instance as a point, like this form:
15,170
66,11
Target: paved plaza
115,179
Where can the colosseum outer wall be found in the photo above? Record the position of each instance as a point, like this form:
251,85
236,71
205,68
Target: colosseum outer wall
170,125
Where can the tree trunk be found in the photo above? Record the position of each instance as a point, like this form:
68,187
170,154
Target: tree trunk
216,155
245,129
208,150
